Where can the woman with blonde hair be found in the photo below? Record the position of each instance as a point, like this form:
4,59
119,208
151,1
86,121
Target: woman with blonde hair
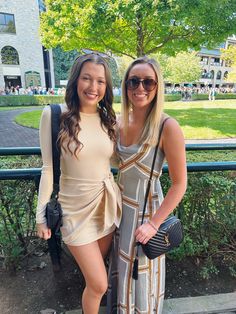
141,120
88,194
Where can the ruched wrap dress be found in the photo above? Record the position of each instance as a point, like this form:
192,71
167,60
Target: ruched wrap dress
89,197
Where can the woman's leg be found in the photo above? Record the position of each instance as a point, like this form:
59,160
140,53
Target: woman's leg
90,260
104,244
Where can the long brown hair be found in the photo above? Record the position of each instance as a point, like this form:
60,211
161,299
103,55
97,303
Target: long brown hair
151,127
70,119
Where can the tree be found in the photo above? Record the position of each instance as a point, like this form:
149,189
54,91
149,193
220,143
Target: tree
229,55
62,63
123,63
114,71
184,67
137,27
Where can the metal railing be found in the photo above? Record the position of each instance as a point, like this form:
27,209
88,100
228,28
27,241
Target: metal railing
35,173
32,173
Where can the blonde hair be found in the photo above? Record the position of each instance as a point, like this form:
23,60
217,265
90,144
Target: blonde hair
151,128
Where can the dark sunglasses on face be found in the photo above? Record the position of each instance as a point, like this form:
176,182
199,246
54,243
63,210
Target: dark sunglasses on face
148,83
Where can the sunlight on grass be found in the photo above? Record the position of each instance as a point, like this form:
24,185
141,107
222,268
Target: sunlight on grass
198,119
201,133
29,119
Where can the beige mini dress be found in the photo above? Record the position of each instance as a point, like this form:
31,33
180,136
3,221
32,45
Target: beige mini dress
89,197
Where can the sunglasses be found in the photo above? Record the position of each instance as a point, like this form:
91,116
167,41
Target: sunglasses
148,83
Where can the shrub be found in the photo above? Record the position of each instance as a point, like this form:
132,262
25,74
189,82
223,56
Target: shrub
207,212
172,97
27,100
17,213
117,99
225,96
168,97
218,96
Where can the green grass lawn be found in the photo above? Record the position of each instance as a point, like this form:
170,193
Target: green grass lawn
198,119
29,119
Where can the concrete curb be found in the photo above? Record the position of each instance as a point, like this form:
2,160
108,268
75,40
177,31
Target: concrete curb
217,303
224,303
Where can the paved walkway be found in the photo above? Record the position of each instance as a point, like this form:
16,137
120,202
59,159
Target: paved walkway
224,303
14,135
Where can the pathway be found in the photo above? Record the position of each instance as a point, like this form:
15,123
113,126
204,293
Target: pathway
14,135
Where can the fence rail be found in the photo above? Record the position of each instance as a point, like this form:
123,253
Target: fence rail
32,173
35,173
10,151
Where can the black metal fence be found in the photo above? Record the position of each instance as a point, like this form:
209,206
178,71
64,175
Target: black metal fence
35,173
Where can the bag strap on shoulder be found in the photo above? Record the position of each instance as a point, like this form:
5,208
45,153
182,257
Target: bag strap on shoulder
135,264
55,128
152,168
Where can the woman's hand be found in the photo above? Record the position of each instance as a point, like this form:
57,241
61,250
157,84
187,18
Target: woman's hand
43,231
145,232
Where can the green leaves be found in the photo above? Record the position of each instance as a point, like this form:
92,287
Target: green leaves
185,67
136,27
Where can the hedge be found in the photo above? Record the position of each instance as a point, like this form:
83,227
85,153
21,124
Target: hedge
207,212
218,96
168,97
173,97
27,100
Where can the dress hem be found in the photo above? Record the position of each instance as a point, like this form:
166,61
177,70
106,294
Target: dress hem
112,229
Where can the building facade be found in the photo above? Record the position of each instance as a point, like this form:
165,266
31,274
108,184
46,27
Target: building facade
214,69
23,60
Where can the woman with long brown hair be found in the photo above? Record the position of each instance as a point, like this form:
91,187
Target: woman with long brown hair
88,195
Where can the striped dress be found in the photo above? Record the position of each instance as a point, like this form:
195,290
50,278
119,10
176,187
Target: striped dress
145,295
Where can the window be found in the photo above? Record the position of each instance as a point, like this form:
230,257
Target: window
41,6
218,76
7,23
210,75
204,74
204,60
9,55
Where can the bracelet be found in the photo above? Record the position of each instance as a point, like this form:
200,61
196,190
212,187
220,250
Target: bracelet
152,224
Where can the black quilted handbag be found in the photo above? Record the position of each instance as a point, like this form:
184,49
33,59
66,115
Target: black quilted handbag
170,233
168,236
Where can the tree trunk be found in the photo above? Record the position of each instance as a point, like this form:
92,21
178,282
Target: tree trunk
140,37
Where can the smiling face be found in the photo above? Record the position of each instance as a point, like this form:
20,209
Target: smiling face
91,86
140,97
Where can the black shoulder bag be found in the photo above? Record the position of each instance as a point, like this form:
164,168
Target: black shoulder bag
53,207
170,232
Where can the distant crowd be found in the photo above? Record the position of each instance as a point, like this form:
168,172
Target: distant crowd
185,91
33,90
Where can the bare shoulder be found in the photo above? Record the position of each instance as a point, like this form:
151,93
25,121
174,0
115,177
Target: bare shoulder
171,126
172,136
